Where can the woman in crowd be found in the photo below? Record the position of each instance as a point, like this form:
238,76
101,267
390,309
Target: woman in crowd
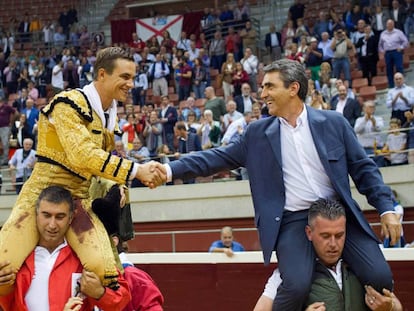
199,79
228,69
240,76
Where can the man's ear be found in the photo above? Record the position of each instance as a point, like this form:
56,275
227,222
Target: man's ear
308,231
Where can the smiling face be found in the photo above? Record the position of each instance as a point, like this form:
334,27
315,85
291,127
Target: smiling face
53,220
117,84
275,94
328,238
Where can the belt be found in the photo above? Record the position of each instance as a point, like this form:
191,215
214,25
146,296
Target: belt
391,51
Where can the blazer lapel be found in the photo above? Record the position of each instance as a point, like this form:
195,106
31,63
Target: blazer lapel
273,134
319,137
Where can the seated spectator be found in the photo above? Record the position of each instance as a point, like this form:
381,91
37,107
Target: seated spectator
226,244
396,144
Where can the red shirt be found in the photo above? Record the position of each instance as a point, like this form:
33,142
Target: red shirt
145,293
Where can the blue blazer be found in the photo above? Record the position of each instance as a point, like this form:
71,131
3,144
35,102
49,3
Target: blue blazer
33,117
340,153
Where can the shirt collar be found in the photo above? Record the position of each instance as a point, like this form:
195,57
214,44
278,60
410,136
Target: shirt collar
301,119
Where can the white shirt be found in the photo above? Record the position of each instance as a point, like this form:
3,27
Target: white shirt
380,25
367,133
233,129
337,274
275,280
57,77
37,297
247,102
304,177
274,40
400,104
340,106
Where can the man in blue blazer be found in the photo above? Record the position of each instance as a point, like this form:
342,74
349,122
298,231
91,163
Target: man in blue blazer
32,114
307,154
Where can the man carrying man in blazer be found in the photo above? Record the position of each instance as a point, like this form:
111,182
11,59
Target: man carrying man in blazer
308,154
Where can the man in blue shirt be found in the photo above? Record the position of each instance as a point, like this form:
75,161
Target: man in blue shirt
226,245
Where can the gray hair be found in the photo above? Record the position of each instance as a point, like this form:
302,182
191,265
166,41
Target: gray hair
325,208
290,71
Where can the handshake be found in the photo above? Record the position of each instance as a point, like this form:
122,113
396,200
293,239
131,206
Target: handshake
152,174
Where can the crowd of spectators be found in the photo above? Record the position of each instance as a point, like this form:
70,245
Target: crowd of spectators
208,83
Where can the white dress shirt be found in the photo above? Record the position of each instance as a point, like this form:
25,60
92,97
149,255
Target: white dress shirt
37,297
304,177
340,106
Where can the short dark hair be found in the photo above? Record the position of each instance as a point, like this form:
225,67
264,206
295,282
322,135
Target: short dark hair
105,59
290,71
57,195
325,208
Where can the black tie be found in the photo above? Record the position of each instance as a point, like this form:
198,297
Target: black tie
106,114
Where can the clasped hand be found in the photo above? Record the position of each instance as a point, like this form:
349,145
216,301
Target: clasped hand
152,174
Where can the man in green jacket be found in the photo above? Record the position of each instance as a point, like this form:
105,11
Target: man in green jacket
334,286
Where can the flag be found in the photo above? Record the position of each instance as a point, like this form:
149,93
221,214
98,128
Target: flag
149,27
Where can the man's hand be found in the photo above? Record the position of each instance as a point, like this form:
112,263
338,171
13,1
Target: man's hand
391,227
7,275
228,252
91,285
152,174
386,302
73,304
316,306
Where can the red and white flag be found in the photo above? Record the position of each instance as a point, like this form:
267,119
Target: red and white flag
149,27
